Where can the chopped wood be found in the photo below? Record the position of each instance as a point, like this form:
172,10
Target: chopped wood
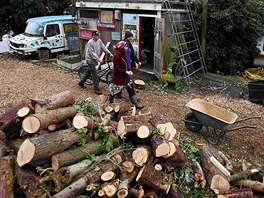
168,130
101,193
35,122
108,176
254,185
36,150
160,146
143,132
92,176
39,108
128,166
158,167
200,181
219,184
109,109
81,121
174,192
172,150
141,155
77,154
242,175
15,144
107,129
219,166
62,99
177,160
117,108
2,149
7,177
93,187
2,136
23,112
139,84
136,193
106,119
110,190
155,179
239,193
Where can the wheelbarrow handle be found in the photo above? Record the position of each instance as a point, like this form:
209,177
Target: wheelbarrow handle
248,118
242,127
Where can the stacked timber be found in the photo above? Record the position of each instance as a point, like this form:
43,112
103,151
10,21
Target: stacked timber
62,147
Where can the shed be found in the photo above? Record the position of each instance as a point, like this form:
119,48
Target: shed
146,19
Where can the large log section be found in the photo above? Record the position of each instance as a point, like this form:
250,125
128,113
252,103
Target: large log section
35,122
7,177
37,150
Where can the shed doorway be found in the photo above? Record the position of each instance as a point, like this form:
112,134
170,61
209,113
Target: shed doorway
146,43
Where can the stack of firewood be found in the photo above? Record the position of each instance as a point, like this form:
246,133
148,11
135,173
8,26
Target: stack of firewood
59,147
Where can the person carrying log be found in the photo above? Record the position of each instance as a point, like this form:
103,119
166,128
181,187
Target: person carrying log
122,76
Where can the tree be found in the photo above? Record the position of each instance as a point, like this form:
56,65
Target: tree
233,30
14,13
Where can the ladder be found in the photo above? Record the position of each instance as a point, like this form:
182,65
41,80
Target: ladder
183,29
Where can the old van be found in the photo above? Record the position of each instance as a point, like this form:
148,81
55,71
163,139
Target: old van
47,34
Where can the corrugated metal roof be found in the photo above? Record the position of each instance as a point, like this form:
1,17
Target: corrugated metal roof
46,19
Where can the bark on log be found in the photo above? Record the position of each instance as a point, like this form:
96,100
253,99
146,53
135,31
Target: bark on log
7,177
174,192
62,99
209,169
15,144
92,176
254,185
242,175
77,154
35,122
136,193
160,146
10,117
37,150
177,160
167,130
28,182
141,155
240,193
199,178
2,149
155,179
130,124
126,178
2,136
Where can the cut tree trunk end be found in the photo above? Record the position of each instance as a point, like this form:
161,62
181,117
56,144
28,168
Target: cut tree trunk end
160,146
108,176
35,122
23,112
141,155
167,130
81,121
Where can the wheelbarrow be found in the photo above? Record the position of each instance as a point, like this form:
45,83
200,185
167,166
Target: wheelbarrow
210,116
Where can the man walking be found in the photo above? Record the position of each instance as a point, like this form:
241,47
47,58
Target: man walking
94,46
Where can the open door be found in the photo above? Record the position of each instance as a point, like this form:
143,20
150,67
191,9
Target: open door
158,47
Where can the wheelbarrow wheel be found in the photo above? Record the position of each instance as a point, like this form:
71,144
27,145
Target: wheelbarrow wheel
192,123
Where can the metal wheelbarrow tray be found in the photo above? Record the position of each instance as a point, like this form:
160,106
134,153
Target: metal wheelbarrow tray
209,115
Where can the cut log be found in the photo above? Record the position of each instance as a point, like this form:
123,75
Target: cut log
107,129
108,176
24,111
126,178
110,190
209,169
219,184
254,185
199,178
59,126
7,177
242,175
167,130
141,155
131,124
143,133
152,178
28,182
139,84
160,146
219,166
109,109
92,176
158,167
172,150
174,192
62,99
37,150
136,193
81,121
15,144
35,122
240,193
106,120
77,154
39,108
128,166
10,117
177,160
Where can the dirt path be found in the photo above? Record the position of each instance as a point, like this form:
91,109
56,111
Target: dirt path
21,80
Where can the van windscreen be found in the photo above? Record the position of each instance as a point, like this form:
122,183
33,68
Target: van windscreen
34,29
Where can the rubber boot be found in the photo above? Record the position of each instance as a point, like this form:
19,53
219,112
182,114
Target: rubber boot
97,90
133,100
111,98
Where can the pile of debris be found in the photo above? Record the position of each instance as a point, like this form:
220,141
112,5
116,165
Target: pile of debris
59,147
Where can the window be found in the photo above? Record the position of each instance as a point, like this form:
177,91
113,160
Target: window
52,30
92,14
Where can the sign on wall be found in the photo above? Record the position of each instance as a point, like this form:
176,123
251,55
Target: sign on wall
116,36
106,16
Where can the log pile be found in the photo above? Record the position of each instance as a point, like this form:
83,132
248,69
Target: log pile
61,147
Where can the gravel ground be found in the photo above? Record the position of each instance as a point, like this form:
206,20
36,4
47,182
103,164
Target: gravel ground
22,79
